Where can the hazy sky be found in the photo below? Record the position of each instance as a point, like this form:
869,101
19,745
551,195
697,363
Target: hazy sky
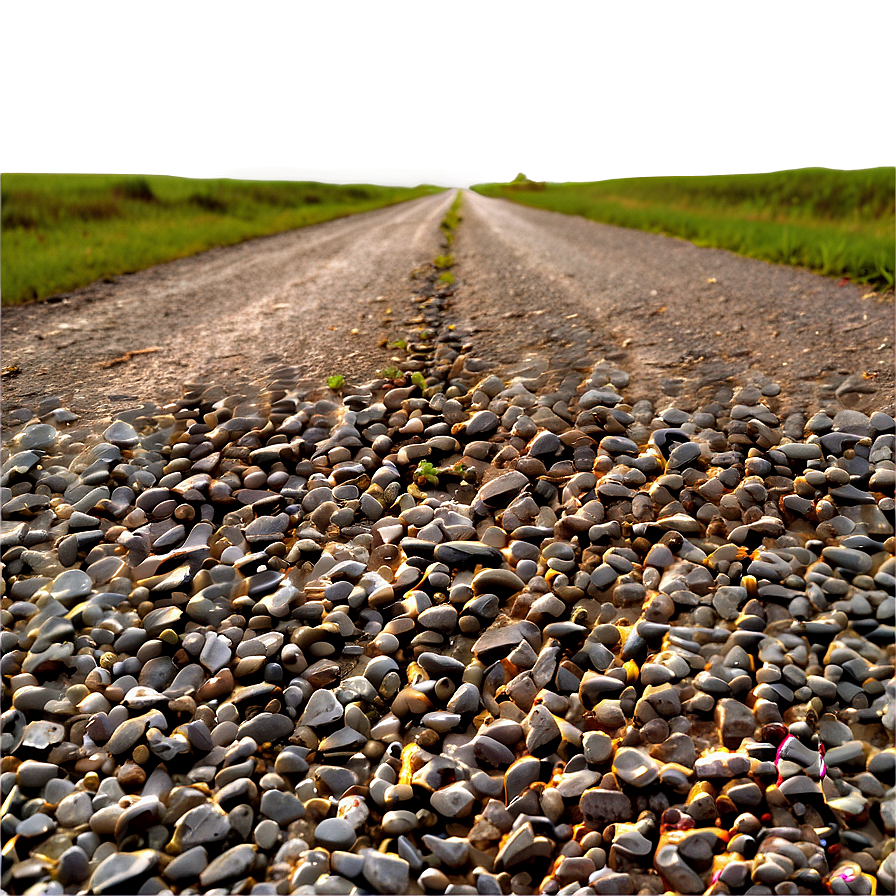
449,93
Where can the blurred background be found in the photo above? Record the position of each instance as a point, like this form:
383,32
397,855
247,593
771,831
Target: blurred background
406,93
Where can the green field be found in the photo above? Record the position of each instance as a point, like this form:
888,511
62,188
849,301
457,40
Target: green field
834,222
63,231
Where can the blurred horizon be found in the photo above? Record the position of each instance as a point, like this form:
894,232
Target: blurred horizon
412,95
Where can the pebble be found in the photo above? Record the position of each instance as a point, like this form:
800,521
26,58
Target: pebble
234,863
241,640
335,833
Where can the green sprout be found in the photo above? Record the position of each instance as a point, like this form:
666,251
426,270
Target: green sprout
426,473
444,261
446,277
399,343
389,373
336,382
419,380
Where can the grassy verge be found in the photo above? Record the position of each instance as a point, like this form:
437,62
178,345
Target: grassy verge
834,222
63,231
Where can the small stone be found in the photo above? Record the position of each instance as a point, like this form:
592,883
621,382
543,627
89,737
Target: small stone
322,709
266,727
122,872
454,801
335,833
635,767
386,873
601,807
281,807
187,866
735,721
235,863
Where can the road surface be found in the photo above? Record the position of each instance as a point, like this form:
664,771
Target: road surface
683,321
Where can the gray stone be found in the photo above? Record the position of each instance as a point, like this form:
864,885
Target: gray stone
322,709
454,801
281,807
121,872
235,863
335,833
187,866
386,873
266,727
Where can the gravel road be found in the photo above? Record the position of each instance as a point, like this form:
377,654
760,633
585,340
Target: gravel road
617,619
226,316
683,320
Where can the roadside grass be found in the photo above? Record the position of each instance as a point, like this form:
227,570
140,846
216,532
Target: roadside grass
64,231
839,223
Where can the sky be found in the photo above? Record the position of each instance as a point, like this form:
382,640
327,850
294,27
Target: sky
452,94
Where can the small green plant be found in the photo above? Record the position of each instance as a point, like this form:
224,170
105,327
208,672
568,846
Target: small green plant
418,380
447,277
442,262
450,221
426,474
389,373
399,343
336,382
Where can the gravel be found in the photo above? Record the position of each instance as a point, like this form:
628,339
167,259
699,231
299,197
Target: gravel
515,628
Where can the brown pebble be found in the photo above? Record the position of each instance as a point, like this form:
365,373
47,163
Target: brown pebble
131,777
217,686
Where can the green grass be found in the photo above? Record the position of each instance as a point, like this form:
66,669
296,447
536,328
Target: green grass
839,223
449,224
63,231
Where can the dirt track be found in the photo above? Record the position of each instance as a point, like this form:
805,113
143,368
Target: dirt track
227,316
680,319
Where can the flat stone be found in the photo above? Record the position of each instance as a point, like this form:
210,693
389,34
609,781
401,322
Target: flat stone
634,767
601,807
188,865
386,873
121,872
205,823
500,491
266,727
281,807
235,863
322,709
126,736
454,801
71,585
467,553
